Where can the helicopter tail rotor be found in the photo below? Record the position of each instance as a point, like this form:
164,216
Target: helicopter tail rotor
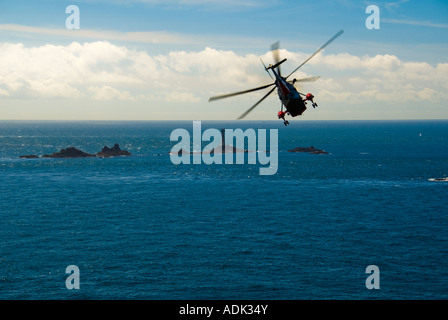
275,47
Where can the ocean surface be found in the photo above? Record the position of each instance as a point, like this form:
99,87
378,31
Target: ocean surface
140,227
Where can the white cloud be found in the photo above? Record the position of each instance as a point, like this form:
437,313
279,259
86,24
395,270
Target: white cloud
396,4
151,37
416,23
181,97
51,88
3,92
382,78
101,71
109,93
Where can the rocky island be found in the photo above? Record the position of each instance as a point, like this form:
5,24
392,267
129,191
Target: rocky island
311,150
69,153
219,149
439,179
222,148
29,156
72,152
115,151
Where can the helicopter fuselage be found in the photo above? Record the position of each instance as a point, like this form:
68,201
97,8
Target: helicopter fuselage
289,96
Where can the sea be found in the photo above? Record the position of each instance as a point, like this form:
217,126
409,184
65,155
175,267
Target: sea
143,228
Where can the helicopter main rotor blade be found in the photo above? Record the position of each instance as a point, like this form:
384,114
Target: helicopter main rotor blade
265,68
318,50
256,104
310,79
240,92
275,47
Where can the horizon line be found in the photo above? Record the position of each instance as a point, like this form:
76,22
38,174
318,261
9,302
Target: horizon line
189,120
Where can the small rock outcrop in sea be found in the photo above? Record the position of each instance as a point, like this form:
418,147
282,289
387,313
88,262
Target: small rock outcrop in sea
115,151
311,150
227,149
439,179
222,148
30,156
72,152
219,149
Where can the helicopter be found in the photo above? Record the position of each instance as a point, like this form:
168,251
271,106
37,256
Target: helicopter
291,99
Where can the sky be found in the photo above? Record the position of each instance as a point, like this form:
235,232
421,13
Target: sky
162,60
